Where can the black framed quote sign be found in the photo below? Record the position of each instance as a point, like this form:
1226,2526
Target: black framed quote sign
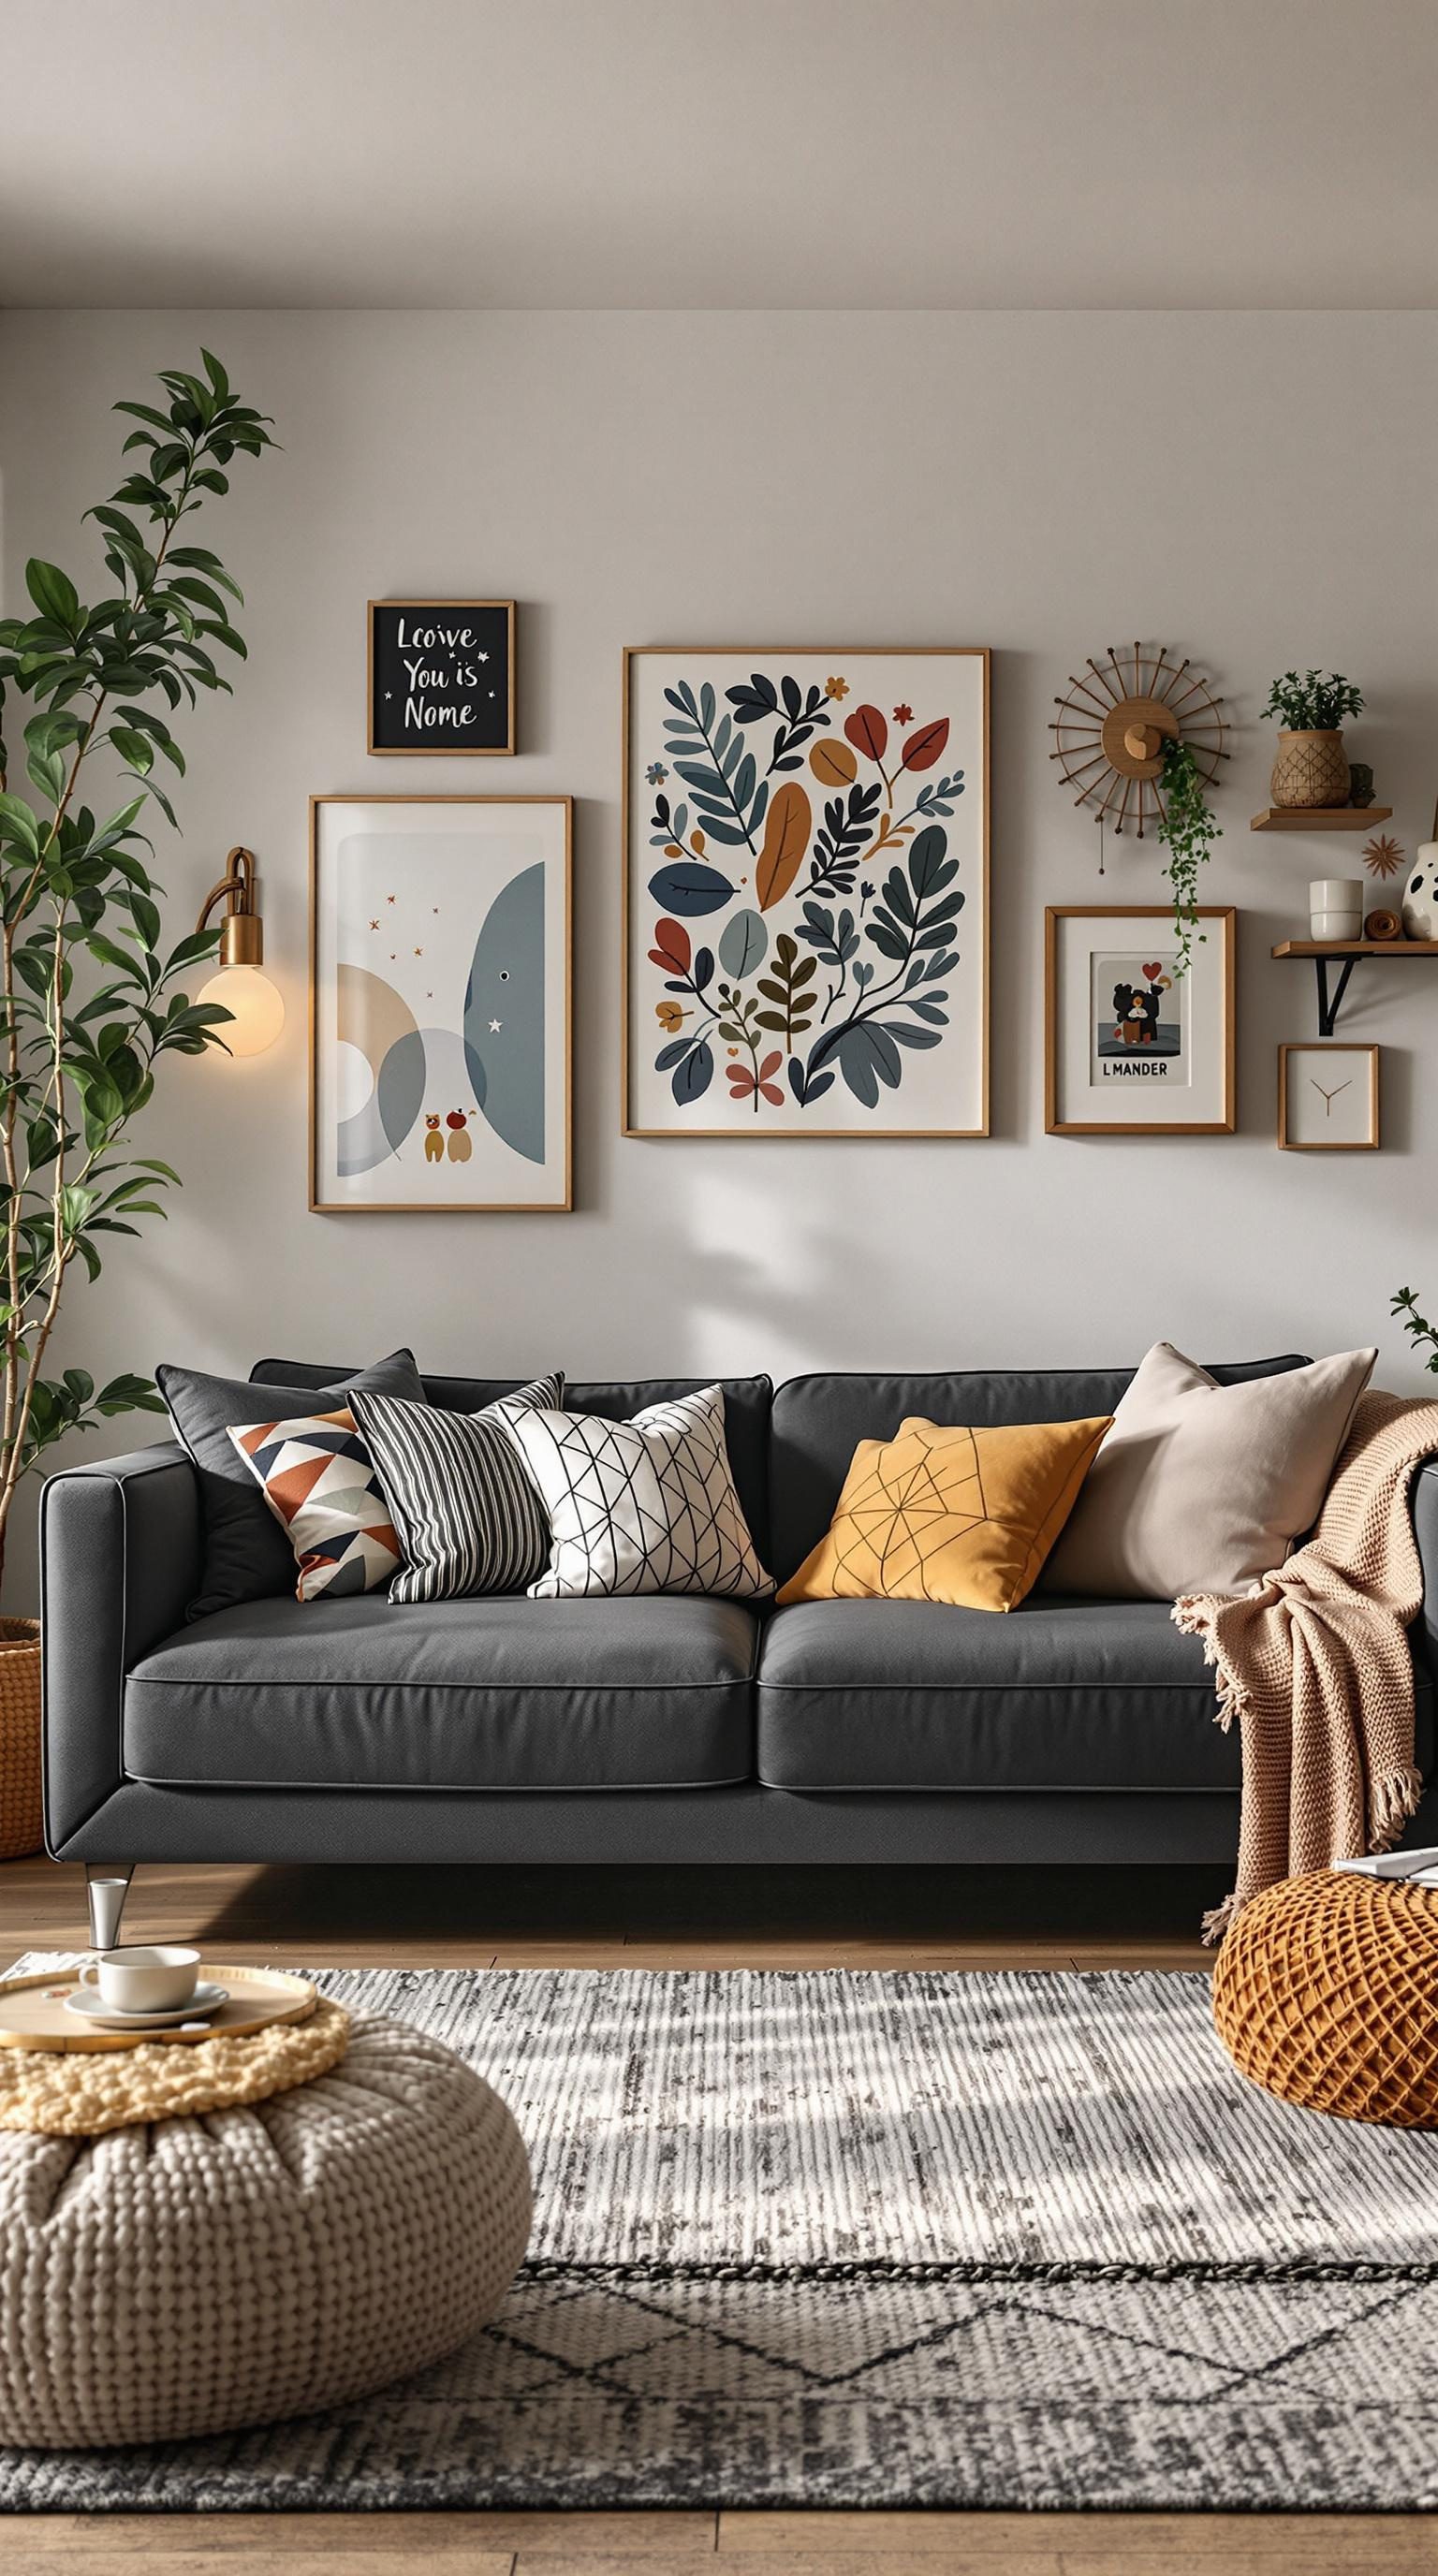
441,675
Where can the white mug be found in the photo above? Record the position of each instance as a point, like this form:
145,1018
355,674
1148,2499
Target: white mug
140,1981
1335,908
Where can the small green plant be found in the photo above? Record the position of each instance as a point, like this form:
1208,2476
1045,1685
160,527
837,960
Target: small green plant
1317,703
1417,1326
1187,830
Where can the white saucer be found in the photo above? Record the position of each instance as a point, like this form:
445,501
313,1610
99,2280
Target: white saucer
91,2005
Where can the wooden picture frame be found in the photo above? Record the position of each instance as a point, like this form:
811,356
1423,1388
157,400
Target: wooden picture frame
497,626
1290,1115
1208,1060
907,684
520,1105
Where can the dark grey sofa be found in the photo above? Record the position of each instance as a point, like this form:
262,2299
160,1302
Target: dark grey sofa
639,1729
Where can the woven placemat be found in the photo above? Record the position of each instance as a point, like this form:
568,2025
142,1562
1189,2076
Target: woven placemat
82,2096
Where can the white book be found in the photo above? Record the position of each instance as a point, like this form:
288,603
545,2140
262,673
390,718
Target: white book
1420,1868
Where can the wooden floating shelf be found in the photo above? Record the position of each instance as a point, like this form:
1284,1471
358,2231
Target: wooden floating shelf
1319,818
1356,948
1345,953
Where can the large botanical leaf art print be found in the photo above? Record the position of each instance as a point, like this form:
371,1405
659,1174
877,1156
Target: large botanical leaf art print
808,897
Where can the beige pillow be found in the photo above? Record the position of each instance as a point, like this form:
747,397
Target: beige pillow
1203,1488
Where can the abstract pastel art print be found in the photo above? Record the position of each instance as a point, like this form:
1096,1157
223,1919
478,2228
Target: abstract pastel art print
806,936
439,1003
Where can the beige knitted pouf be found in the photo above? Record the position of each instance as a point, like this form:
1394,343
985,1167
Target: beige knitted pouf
204,2273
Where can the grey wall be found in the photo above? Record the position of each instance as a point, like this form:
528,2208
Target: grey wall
1256,489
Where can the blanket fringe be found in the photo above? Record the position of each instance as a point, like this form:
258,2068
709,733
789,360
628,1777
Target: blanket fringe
1216,1923
1232,1699
1393,1801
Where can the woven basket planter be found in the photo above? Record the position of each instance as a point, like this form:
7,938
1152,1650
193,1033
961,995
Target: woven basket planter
1323,1993
1310,769
21,1824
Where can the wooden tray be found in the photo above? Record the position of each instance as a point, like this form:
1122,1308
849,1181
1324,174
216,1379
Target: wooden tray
33,2013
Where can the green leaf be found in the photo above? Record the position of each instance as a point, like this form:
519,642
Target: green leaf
46,770
53,592
136,1395
134,748
223,634
19,824
146,916
200,943
108,954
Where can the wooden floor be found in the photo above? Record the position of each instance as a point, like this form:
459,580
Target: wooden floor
697,1918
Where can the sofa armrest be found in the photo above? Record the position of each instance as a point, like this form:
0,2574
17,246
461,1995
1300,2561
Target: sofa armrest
1423,1499
121,1546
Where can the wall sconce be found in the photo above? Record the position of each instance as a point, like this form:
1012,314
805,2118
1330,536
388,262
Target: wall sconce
239,986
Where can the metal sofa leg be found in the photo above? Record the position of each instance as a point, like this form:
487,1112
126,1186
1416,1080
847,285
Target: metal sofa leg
107,1884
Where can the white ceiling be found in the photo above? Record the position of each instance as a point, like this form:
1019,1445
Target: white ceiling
873,153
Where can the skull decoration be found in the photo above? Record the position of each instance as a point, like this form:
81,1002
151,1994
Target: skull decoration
1420,894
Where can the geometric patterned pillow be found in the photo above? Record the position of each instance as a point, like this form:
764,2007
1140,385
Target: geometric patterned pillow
647,1505
318,1479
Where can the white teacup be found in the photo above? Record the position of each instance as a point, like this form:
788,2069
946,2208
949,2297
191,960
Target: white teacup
138,1980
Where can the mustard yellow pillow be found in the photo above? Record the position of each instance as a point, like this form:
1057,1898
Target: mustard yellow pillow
948,1514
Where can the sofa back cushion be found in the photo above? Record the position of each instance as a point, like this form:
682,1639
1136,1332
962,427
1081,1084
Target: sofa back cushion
747,1403
819,1421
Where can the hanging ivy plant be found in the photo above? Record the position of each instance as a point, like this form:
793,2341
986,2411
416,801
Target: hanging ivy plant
1187,830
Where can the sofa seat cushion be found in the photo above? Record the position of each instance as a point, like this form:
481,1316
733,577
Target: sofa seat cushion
1058,1694
470,1694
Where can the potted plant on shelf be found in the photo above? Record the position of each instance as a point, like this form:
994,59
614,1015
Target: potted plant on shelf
89,999
1311,767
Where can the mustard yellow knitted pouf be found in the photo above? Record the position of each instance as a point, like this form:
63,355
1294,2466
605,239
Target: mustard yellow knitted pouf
229,2268
1325,1992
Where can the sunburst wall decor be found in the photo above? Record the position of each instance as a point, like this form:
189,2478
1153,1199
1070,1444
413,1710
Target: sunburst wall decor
1112,726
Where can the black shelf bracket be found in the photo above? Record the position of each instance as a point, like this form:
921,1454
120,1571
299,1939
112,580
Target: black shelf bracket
1329,1003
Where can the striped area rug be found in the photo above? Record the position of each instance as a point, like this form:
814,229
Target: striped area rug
883,2239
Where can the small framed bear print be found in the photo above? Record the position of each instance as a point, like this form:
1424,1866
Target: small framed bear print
1137,1044
1328,1099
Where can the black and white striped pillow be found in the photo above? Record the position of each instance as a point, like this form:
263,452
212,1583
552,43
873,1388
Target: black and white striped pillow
463,1504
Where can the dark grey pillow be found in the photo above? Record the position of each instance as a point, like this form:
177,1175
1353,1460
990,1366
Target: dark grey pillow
248,1557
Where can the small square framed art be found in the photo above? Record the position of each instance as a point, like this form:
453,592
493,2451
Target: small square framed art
1328,1099
440,677
439,1004
1131,1047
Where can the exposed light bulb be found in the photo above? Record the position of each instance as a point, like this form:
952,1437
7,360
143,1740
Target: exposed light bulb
259,1011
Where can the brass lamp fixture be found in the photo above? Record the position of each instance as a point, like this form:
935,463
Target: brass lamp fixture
258,1011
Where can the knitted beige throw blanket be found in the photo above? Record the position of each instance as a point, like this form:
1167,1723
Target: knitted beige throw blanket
1315,1665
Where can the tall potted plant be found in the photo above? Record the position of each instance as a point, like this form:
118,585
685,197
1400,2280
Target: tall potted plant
89,997
1311,767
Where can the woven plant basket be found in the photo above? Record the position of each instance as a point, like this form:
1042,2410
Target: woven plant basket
1323,1993
21,1825
1310,769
